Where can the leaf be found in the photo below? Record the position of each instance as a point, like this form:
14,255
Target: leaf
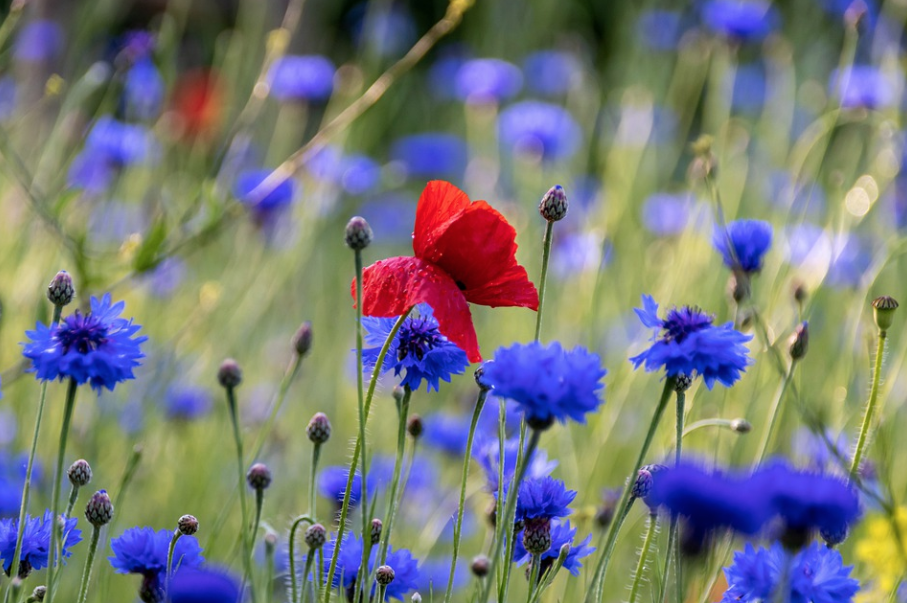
147,256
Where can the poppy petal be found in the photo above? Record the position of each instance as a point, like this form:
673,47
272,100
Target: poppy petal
392,286
439,204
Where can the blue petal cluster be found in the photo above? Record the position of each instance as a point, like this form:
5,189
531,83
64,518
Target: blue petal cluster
561,534
305,78
406,568
487,453
187,402
548,382
488,80
268,208
552,72
817,575
332,484
99,348
431,155
745,21
865,86
419,349
110,146
204,586
144,551
35,540
539,128
143,90
691,345
750,240
543,498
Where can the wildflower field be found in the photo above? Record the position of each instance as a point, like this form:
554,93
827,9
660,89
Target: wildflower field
466,301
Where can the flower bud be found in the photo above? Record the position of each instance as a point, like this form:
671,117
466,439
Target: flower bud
537,535
799,341
38,593
415,427
480,376
741,426
605,513
375,533
416,598
302,340
480,566
259,476
384,575
358,234
229,374
800,293
682,383
79,473
60,290
319,428
883,311
187,525
553,206
270,542
397,393
315,536
643,484
99,510
834,537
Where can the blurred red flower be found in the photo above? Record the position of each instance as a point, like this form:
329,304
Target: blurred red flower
198,99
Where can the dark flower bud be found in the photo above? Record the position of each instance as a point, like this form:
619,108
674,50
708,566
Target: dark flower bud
480,566
643,484
319,428
38,593
270,542
187,525
540,423
259,476
491,513
315,536
480,376
60,290
302,340
79,473
151,590
682,383
537,535
553,206
741,426
99,510
229,374
834,537
384,575
375,533
415,427
800,293
883,311
799,341
358,234
605,513
25,568
738,286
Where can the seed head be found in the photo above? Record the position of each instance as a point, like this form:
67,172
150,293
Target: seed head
415,427
553,206
79,473
537,535
480,566
315,536
259,476
319,428
682,383
799,341
883,311
99,510
384,575
60,290
302,340
375,533
187,525
358,234
229,374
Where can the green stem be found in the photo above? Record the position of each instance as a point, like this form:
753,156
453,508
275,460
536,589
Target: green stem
870,407
674,552
480,403
549,576
774,414
535,568
507,516
170,549
392,502
316,454
596,592
73,497
294,592
546,253
269,582
277,404
259,503
305,577
363,457
522,460
241,474
345,506
643,556
86,574
58,479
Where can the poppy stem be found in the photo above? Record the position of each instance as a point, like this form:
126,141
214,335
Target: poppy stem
392,498
480,403
294,591
58,478
596,592
543,279
870,406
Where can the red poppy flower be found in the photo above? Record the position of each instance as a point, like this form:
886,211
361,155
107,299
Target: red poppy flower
464,252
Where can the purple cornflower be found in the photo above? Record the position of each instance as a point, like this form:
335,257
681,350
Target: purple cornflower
687,343
561,533
204,586
419,349
301,78
99,348
744,21
144,551
488,81
406,568
143,90
548,382
817,574
541,129
186,402
35,541
750,240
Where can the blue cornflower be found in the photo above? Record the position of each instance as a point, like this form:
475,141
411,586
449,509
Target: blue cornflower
332,485
204,586
820,453
543,498
433,575
419,348
749,88
97,348
431,155
661,29
448,432
865,86
406,568
487,452
385,30
391,216
186,402
548,382
12,476
666,214
143,90
561,534
120,144
38,40
750,240
35,541
817,575
852,257
442,75
744,21
551,72
579,252
541,129
144,551
691,345
267,209
306,78
488,81
8,90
